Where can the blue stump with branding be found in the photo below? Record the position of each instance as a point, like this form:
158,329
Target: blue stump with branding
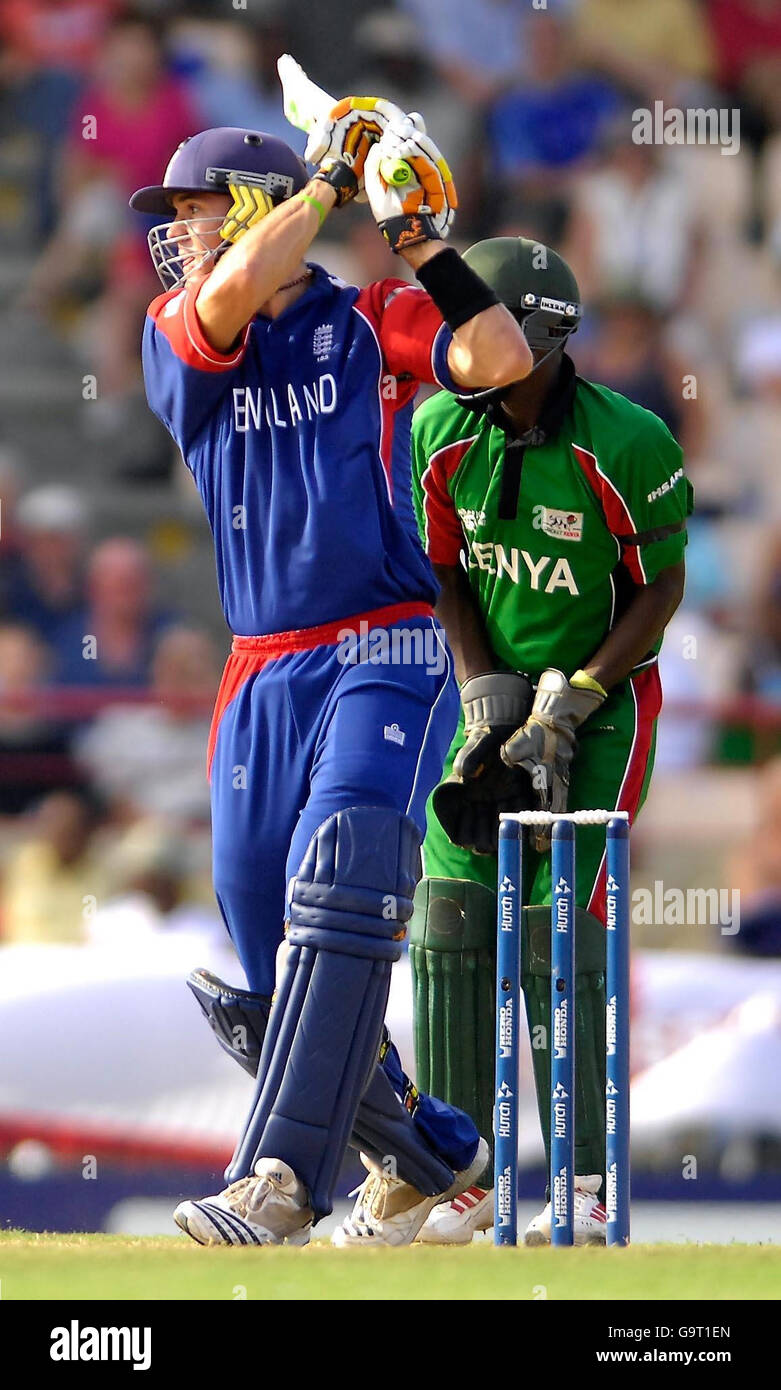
508,1015
617,1176
562,1043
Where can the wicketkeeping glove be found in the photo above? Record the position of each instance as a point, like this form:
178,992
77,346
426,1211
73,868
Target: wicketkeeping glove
468,804
469,811
340,143
545,745
495,704
423,207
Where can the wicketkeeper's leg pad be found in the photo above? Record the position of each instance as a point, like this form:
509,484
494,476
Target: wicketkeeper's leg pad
348,906
453,958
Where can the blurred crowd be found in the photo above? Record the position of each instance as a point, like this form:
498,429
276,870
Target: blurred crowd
105,683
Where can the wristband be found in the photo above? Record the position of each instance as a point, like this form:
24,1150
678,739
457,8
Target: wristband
315,202
408,229
458,293
338,173
582,681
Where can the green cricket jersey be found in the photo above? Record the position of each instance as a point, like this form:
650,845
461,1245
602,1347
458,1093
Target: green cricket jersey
555,527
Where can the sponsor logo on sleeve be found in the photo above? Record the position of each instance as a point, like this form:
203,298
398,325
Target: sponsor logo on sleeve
666,486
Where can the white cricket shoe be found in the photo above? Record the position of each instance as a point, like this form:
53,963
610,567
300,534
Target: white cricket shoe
454,1223
589,1216
391,1212
268,1208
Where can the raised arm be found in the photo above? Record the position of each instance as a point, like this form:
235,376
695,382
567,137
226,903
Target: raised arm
488,348
252,269
268,254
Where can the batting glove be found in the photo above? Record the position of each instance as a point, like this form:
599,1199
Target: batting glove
340,143
422,207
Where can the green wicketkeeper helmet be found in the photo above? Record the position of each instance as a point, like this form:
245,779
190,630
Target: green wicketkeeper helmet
534,283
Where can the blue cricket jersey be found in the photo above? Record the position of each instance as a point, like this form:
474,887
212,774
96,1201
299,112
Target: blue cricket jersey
299,444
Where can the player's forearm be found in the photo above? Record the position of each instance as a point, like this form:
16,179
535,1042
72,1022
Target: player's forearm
638,629
460,617
488,350
252,269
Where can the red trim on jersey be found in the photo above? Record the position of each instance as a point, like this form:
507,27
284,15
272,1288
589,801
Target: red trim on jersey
175,316
250,654
617,514
646,689
406,322
444,535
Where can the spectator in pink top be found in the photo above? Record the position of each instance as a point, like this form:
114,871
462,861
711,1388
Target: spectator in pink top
127,120
125,124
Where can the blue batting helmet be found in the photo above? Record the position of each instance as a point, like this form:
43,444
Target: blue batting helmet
256,170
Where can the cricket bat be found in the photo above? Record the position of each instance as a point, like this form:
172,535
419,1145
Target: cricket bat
304,104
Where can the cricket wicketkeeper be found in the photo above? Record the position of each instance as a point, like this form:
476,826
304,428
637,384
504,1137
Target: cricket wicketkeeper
554,513
290,396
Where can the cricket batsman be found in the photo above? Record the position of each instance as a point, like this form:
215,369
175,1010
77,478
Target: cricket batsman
554,513
290,396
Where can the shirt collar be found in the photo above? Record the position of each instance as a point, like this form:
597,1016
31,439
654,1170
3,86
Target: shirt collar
321,284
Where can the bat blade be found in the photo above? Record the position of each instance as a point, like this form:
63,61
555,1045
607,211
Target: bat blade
303,102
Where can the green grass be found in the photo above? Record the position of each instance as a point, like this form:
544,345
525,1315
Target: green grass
171,1267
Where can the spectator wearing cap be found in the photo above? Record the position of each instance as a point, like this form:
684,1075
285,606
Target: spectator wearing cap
45,585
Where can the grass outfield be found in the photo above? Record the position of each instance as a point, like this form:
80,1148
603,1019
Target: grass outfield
169,1267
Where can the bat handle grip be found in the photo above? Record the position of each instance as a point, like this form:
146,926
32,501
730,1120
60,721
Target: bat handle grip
396,172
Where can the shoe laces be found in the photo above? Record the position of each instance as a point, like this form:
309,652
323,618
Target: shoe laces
237,1195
